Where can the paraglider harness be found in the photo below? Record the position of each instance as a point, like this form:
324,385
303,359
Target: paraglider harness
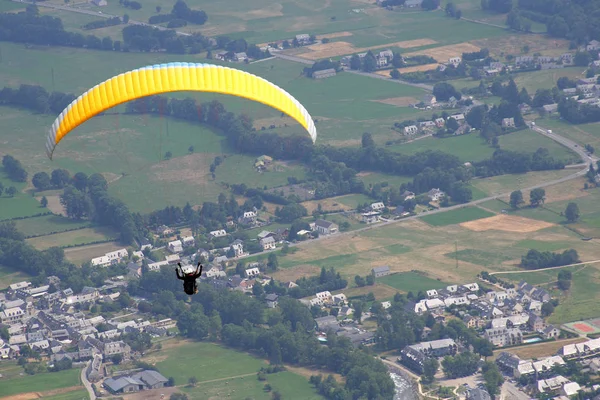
189,279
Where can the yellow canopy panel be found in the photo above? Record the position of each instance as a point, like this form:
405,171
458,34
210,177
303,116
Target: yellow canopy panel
175,77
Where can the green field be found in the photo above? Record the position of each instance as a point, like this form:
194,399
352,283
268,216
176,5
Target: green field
21,205
495,205
542,246
353,200
582,299
529,141
80,236
582,134
589,221
225,371
47,224
40,382
8,276
546,79
74,395
482,257
456,216
505,184
411,282
372,178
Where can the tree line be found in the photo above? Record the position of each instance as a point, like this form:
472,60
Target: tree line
283,335
535,259
14,169
29,27
103,23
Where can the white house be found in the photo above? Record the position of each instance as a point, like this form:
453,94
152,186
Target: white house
377,206
326,227
114,257
411,130
268,243
303,38
175,246
238,248
435,194
252,272
454,61
218,234
324,296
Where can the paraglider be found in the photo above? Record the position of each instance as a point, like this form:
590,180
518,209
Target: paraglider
174,77
189,279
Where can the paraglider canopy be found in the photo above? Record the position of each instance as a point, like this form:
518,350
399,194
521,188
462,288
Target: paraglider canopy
175,77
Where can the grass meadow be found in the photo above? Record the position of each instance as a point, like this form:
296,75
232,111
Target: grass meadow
40,382
8,276
411,281
456,216
47,224
224,372
78,237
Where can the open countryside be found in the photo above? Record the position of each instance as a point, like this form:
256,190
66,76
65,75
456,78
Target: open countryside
452,189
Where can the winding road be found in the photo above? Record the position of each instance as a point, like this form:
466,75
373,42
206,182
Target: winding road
87,383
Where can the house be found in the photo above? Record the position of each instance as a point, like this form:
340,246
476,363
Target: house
426,124
523,60
99,3
164,230
325,73
411,130
123,385
551,332
218,234
249,217
175,246
239,57
436,348
221,55
413,359
546,365
472,287
407,195
215,272
551,385
172,259
326,323
508,122
432,294
440,122
550,108
268,243
454,61
111,258
504,336
478,394
145,244
12,316
389,54
303,39
435,194
271,300
458,117
380,271
338,299
238,248
429,100
593,45
188,241
370,217
325,227
570,389
151,379
377,206
252,272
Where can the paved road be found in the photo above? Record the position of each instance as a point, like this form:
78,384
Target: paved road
567,143
510,392
87,383
94,13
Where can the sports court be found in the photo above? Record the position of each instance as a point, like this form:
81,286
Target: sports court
585,327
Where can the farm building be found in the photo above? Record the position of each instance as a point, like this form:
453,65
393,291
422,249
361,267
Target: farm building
381,271
99,3
326,73
325,227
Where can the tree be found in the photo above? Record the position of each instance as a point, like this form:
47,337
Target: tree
1,188
547,309
443,91
44,202
158,8
276,395
125,18
452,125
493,378
395,74
537,197
572,212
116,358
272,262
564,284
60,178
41,181
367,140
192,381
359,280
191,149
516,198
430,368
168,155
11,191
178,396
358,310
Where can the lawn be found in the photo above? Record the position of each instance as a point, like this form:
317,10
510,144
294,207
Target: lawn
80,236
411,282
495,205
206,361
529,141
40,382
540,213
47,224
353,200
456,216
8,276
539,245
74,395
473,148
582,134
546,79
22,204
288,384
210,362
581,300
504,184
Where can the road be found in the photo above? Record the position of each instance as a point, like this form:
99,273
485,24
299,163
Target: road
510,392
567,143
545,269
87,383
95,14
